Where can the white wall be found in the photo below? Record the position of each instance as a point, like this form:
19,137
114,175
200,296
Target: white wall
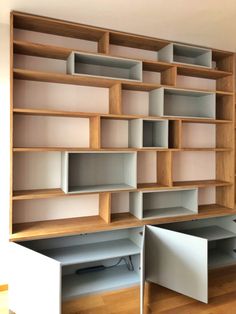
5,148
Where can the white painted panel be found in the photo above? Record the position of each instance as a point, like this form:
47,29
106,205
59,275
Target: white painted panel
156,102
166,53
135,102
60,97
177,261
55,208
115,133
146,167
198,135
136,206
120,202
39,64
136,133
37,170
34,283
33,131
56,40
193,166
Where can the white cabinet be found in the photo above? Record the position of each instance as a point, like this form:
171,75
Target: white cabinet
47,273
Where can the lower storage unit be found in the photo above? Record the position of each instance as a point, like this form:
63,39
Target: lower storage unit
178,256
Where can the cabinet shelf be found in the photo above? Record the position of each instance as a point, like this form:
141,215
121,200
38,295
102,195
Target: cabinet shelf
73,226
211,233
218,258
74,286
92,252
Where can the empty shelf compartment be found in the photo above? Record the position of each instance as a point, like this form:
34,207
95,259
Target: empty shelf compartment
221,253
93,251
74,286
211,233
104,66
167,203
186,54
148,133
97,172
182,103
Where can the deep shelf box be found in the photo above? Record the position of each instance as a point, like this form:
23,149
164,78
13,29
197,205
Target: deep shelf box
104,66
185,54
182,103
97,172
145,133
166,203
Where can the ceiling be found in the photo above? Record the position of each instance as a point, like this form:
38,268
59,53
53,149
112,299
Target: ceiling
204,22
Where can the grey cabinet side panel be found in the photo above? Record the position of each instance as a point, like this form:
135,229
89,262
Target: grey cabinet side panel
156,102
166,53
70,65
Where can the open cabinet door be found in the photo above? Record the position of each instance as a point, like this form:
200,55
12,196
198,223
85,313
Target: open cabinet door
177,261
34,283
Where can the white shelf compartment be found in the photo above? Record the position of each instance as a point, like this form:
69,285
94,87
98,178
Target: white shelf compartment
74,286
161,204
148,133
98,171
170,102
186,54
86,64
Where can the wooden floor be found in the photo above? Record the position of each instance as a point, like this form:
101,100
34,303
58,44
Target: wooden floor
222,299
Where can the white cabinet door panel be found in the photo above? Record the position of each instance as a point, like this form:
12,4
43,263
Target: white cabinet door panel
177,261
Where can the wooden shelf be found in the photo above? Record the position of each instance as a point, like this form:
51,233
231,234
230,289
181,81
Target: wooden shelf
201,183
87,149
61,113
73,226
53,77
55,52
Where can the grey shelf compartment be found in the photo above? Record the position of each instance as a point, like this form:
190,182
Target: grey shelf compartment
74,286
211,233
186,54
167,203
170,102
86,64
221,253
148,133
96,172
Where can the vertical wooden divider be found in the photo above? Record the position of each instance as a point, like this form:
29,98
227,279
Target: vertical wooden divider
175,134
105,206
103,43
115,99
95,132
169,76
164,168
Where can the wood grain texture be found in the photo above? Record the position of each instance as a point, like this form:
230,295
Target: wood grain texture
105,206
164,168
169,77
95,132
73,226
115,99
103,43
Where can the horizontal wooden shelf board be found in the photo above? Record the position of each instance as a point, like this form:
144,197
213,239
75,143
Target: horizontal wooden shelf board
186,70
213,149
62,113
73,226
201,183
57,192
53,77
87,149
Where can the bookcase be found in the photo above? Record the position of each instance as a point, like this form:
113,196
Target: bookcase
108,142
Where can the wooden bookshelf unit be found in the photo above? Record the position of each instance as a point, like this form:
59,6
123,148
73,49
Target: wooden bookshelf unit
110,132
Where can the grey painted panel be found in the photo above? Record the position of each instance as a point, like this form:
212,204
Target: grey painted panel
167,212
155,133
104,66
136,204
64,171
166,53
135,133
156,102
101,171
177,261
211,233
